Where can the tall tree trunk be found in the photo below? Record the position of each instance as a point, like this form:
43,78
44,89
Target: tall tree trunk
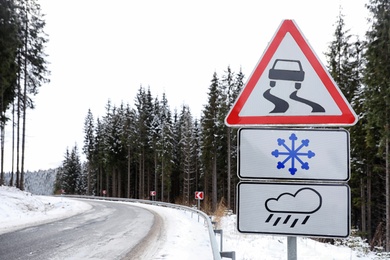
206,182
363,205
108,185
119,178
369,205
387,193
23,137
148,183
18,138
89,177
114,190
2,151
162,179
128,173
214,188
2,122
11,182
97,183
143,177
229,156
101,178
155,171
24,106
140,177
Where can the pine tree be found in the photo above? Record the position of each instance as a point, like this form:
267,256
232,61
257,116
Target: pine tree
98,160
209,140
232,85
165,147
196,150
237,87
82,180
187,153
345,66
176,177
71,172
8,67
114,148
377,93
89,145
128,136
156,135
33,71
144,118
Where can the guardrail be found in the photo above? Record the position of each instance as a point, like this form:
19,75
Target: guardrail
217,254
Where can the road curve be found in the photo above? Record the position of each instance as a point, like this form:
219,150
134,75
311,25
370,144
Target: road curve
109,230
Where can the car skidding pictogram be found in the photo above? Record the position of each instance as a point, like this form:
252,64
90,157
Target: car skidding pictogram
283,69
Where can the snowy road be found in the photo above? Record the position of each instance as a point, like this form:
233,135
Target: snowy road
177,234
106,231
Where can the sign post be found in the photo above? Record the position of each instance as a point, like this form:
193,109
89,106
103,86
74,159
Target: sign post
199,196
298,176
153,195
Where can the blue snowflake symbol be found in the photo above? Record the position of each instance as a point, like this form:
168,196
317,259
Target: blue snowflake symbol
293,154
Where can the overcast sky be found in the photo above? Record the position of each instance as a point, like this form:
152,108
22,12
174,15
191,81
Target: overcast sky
105,50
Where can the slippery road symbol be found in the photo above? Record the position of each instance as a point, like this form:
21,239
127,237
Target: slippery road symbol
293,207
293,153
288,70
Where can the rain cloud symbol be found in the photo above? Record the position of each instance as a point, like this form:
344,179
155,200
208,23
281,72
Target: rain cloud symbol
305,201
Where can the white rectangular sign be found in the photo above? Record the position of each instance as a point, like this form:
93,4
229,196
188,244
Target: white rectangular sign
321,210
293,154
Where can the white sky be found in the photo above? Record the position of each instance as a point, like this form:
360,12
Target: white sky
100,50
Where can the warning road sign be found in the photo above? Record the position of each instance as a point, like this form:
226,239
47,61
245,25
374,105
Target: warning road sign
321,210
199,195
293,154
290,86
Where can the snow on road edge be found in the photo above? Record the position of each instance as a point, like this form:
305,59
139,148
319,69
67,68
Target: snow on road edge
20,209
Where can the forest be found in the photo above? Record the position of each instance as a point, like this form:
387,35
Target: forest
143,146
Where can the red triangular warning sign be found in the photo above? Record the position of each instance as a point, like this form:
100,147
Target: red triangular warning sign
290,87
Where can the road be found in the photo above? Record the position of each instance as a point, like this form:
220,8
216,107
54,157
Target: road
107,231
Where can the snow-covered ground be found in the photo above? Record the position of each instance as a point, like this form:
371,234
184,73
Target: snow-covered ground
20,209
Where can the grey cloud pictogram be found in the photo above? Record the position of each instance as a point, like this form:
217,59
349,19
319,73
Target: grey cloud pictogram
304,201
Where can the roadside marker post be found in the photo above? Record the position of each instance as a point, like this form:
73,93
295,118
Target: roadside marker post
199,195
153,195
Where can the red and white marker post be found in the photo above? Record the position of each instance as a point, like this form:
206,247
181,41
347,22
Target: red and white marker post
199,195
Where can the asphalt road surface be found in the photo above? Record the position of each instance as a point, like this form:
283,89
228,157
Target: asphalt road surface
108,231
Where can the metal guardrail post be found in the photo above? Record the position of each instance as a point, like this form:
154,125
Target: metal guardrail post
219,231
230,254
227,254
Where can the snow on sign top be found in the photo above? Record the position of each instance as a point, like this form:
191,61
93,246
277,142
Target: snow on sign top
290,87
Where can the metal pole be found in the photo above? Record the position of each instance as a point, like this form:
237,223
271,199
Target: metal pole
198,208
292,248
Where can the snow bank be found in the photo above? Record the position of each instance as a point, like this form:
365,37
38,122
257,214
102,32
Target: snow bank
19,209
